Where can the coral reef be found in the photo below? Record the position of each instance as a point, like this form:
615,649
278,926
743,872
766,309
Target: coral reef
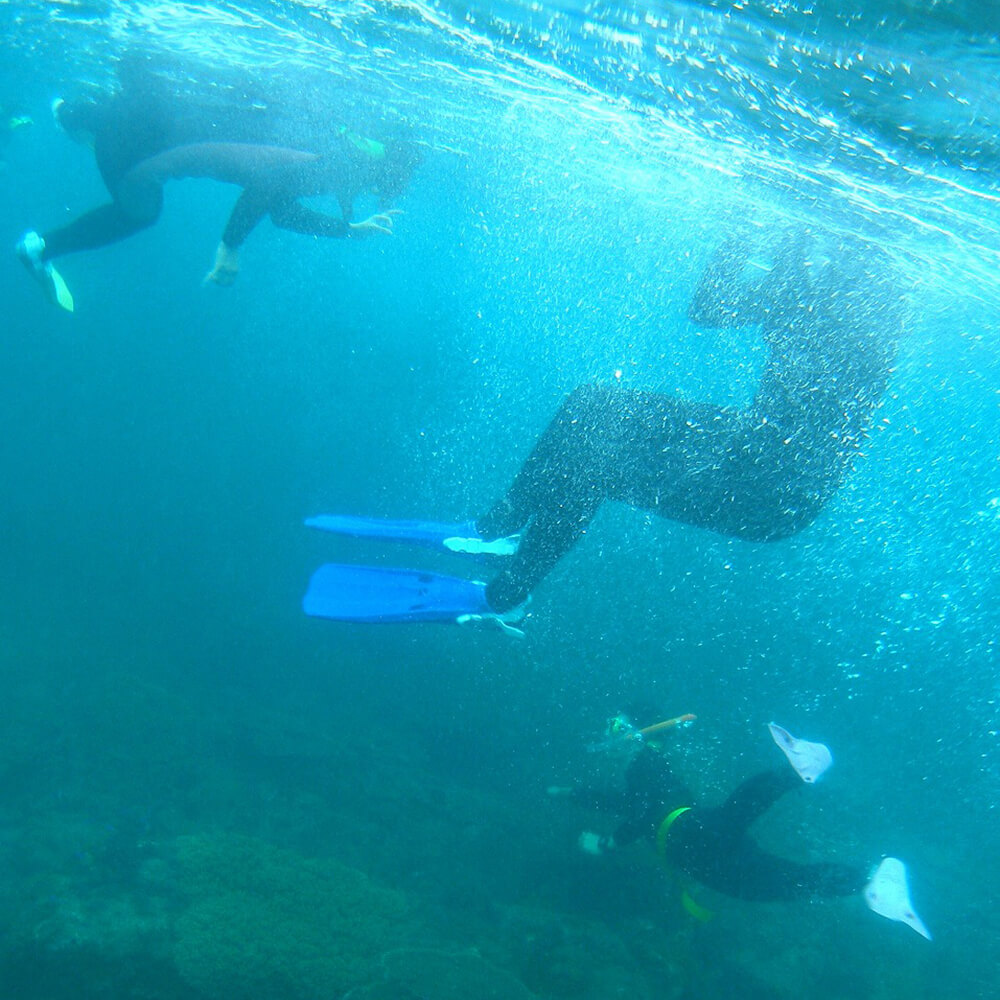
263,921
438,974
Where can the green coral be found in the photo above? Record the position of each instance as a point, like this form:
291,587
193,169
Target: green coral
437,974
263,921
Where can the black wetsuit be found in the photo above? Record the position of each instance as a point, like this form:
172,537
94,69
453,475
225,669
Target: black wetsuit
141,141
712,844
832,320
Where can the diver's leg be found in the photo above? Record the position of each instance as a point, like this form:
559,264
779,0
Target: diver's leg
764,877
713,848
100,227
750,800
250,165
759,475
550,535
558,490
604,443
652,451
738,473
558,467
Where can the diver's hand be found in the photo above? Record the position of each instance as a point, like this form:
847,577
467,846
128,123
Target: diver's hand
226,267
380,222
593,843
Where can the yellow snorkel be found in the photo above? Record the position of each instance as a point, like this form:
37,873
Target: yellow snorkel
621,732
679,720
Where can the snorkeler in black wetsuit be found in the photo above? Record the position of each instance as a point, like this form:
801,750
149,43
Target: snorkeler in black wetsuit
832,319
141,140
713,846
831,315
353,166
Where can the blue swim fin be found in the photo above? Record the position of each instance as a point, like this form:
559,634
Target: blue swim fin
453,536
382,594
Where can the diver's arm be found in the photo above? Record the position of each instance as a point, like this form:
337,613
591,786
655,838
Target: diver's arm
729,293
635,826
225,268
299,219
627,832
594,843
250,208
596,799
631,829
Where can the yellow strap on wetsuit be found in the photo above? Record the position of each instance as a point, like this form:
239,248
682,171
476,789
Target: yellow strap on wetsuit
664,831
694,908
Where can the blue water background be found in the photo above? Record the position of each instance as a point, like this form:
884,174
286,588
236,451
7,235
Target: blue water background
162,446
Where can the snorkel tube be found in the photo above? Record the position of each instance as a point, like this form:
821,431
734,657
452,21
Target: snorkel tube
621,732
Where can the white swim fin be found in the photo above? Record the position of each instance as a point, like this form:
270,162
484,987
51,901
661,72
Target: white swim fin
888,894
810,760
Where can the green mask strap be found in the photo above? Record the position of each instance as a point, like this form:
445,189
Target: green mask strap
372,149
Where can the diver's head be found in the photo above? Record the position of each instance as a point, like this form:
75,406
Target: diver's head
78,117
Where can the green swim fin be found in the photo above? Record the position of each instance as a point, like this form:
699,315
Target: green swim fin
58,289
29,249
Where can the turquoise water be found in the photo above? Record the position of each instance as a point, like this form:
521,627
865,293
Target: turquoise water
193,774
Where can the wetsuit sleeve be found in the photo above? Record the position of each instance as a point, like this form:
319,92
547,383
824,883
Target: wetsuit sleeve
253,205
636,826
631,829
599,800
250,208
299,219
724,296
